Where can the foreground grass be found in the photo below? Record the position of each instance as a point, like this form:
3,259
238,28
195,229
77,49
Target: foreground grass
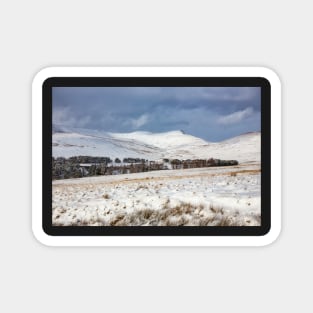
184,214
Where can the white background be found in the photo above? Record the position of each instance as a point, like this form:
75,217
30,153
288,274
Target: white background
36,34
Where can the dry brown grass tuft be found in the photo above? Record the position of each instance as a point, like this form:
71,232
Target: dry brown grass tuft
226,221
213,209
117,221
141,187
206,221
184,214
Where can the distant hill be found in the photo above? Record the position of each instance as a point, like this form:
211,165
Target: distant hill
153,146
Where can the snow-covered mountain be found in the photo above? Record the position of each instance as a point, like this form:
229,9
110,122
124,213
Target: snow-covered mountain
153,146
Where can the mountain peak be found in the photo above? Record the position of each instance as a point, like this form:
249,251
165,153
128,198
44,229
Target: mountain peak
69,141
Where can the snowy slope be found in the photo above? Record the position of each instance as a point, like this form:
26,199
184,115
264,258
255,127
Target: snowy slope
174,139
244,148
153,146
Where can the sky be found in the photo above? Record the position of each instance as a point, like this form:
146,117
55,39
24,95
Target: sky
211,113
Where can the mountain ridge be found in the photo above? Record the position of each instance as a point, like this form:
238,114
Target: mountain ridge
141,144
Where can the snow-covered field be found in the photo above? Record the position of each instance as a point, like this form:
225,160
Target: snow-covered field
222,196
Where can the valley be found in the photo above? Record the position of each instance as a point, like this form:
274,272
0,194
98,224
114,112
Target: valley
179,196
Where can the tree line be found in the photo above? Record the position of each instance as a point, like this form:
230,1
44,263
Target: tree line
82,166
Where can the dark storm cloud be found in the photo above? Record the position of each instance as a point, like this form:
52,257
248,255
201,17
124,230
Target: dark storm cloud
212,113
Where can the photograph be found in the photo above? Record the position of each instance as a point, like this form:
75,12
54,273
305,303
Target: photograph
156,156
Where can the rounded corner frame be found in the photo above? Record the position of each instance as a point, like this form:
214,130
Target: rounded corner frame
263,72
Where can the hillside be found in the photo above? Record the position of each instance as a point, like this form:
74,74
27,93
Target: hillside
153,146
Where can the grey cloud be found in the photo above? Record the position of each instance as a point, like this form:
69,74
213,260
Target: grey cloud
210,113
